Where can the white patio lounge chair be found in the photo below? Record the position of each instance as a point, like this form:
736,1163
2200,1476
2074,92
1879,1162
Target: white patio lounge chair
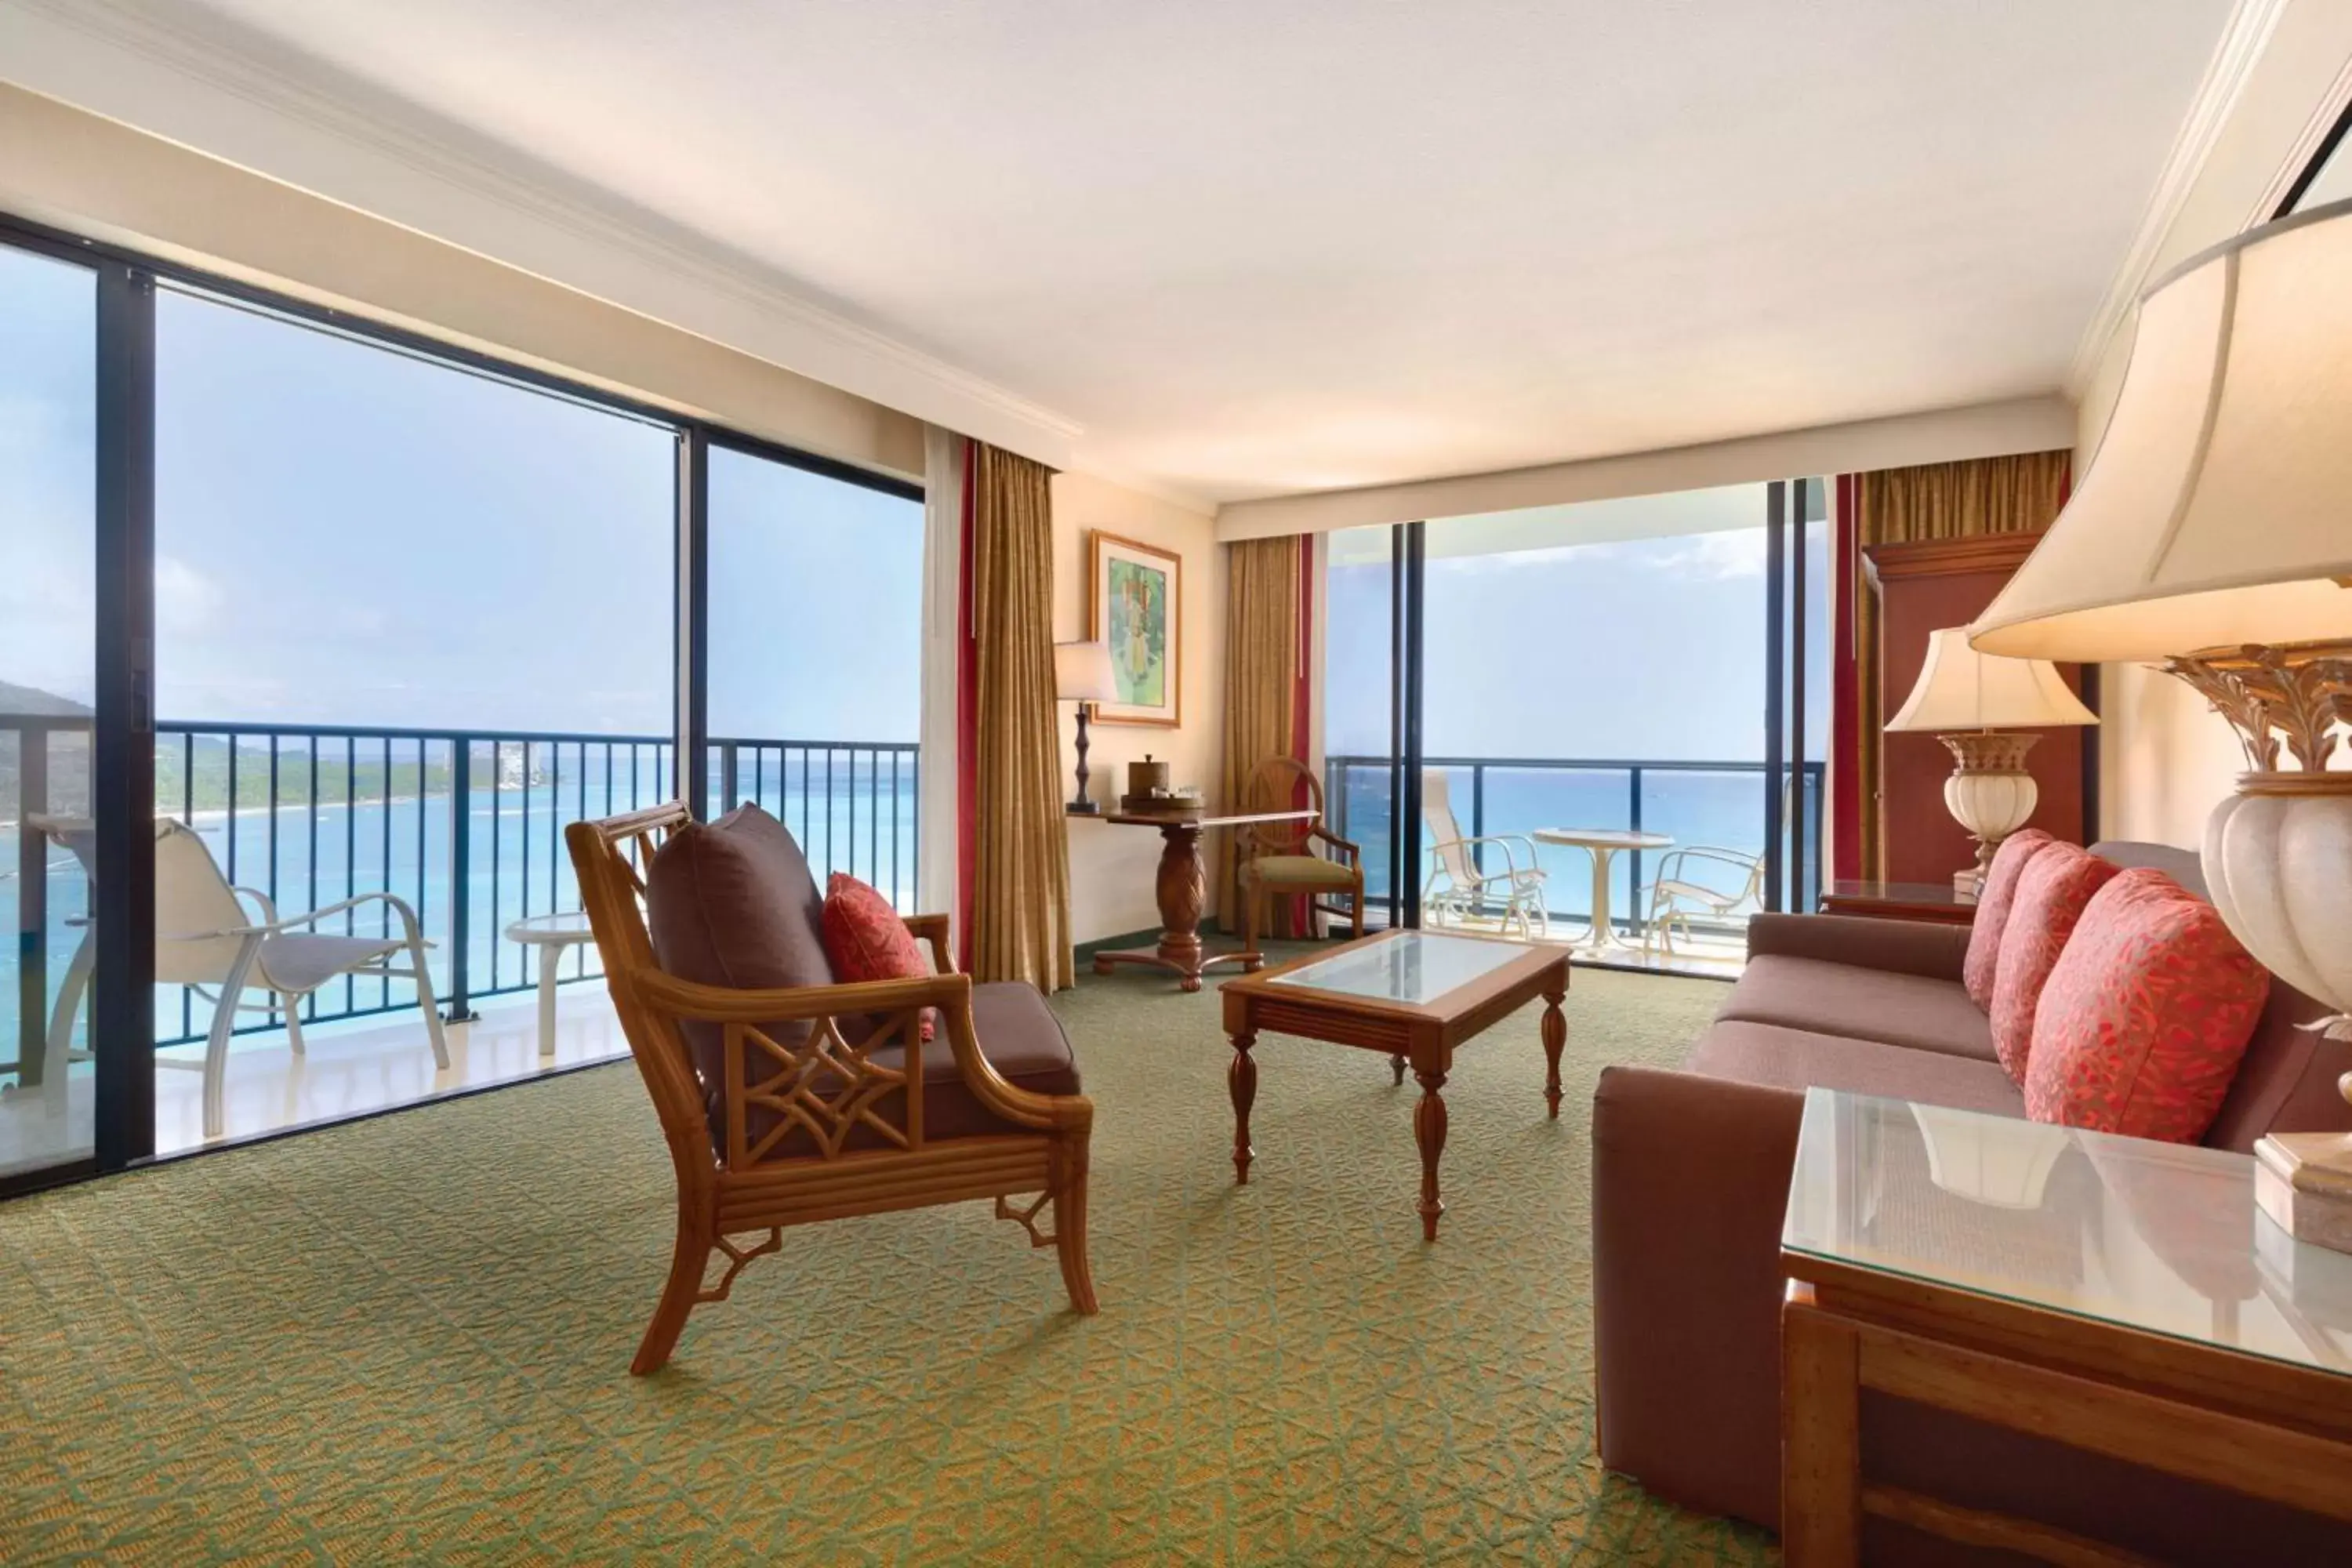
1727,882
206,940
1457,891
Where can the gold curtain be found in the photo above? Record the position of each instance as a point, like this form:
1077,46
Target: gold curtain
1262,638
1021,865
1934,500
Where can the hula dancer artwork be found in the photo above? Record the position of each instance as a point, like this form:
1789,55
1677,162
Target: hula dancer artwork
1137,609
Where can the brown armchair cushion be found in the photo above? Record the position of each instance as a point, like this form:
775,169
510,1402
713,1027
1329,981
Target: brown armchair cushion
731,903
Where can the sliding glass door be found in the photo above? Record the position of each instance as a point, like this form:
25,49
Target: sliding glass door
1600,723
813,646
304,614
75,713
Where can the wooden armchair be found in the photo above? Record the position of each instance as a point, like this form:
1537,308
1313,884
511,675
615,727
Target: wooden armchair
783,1106
1278,859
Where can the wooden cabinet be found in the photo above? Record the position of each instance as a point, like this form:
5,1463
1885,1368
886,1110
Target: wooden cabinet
1922,587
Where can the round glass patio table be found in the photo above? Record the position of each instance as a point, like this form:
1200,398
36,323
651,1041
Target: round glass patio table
1601,843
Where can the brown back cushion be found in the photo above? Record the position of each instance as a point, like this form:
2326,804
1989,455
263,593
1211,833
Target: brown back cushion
731,903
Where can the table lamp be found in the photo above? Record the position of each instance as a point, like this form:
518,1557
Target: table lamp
1082,675
2213,534
1985,710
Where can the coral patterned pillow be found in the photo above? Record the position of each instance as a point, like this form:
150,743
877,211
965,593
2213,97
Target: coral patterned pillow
1993,899
865,939
2147,1015
2051,891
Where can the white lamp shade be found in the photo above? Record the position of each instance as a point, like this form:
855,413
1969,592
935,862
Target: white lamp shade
1960,689
1082,672
2218,509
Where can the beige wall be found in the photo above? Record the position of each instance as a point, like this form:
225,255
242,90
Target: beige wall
75,171
1112,867
2165,758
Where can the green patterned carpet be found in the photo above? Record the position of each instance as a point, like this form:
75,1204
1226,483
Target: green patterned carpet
406,1340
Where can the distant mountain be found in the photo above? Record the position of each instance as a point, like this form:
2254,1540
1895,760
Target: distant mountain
33,700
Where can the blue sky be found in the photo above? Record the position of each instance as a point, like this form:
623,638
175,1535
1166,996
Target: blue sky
351,536
1642,647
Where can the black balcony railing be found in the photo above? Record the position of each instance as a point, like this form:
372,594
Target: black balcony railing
1718,805
466,826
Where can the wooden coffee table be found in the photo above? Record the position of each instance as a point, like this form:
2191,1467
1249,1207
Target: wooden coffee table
1412,996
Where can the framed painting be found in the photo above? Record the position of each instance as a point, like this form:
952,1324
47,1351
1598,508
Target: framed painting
1137,599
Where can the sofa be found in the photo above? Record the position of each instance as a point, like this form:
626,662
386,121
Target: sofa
1691,1175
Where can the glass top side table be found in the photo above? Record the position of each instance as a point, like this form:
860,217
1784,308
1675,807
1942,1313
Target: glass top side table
2120,1296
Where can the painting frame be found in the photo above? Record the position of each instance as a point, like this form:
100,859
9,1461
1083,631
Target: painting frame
1128,579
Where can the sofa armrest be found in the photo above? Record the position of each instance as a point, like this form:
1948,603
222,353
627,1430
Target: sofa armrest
1902,947
1690,1181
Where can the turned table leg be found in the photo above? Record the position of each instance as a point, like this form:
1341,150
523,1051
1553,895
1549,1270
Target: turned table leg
1396,1065
1555,1039
1429,1131
1241,1079
1183,888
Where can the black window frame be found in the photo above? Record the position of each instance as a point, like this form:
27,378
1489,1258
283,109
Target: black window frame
122,766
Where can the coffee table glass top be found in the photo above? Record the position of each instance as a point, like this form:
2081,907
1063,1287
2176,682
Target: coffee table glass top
1411,967
2155,1236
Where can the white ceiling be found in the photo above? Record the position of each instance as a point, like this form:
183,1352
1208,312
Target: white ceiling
1252,249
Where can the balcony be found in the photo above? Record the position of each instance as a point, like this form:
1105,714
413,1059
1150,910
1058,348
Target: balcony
1714,805
465,827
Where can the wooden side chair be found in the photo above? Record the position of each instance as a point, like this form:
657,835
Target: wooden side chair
786,1103
1279,859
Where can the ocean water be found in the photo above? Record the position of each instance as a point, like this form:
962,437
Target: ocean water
517,866
1722,810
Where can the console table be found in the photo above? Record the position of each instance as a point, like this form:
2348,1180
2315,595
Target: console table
1183,887
2114,1295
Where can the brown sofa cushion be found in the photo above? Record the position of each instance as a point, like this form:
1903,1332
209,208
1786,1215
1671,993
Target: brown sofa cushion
1776,1057
1825,998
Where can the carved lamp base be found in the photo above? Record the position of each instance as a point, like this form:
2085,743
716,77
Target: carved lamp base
1989,792
2278,854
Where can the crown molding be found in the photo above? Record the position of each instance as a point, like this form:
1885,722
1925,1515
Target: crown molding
2315,132
2244,40
236,102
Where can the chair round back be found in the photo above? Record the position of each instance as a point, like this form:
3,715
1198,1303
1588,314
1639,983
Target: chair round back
1274,786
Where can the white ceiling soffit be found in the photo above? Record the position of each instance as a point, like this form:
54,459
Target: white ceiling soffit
1680,514
219,89
1253,249
1988,430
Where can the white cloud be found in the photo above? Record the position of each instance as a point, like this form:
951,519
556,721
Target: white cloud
186,601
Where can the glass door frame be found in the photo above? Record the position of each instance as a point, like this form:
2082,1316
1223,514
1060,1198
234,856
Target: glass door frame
122,1026
692,596
1788,827
119,999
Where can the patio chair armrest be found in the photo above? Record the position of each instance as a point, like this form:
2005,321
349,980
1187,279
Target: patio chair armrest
267,906
1511,866
932,929
400,907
